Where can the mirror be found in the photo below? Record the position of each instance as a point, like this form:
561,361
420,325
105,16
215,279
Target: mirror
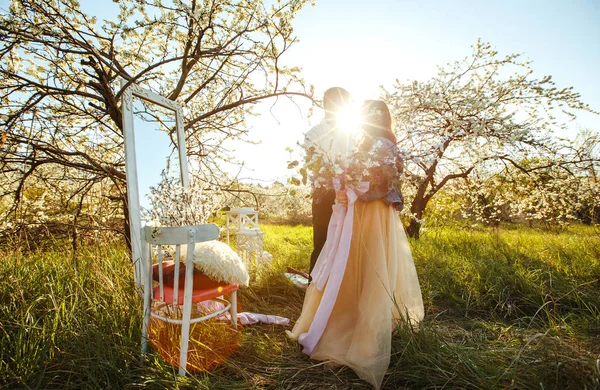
155,148
152,126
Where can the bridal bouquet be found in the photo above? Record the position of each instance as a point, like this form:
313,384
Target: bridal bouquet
375,166
335,173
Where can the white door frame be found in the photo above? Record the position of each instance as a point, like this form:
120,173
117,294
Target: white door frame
133,195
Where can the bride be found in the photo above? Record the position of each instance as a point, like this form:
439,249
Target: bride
353,325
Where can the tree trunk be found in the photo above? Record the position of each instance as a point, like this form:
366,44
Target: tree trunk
417,208
413,229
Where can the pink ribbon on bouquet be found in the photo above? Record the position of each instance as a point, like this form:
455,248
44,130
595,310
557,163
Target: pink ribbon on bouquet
331,265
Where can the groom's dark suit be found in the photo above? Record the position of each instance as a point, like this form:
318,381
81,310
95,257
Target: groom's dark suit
322,203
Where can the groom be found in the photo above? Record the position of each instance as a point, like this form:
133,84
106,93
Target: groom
329,138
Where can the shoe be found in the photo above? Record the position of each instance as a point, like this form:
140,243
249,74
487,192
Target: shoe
297,280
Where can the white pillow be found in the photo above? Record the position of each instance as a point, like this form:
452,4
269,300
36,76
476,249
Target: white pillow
217,260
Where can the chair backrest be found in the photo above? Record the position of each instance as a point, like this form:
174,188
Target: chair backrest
242,218
175,236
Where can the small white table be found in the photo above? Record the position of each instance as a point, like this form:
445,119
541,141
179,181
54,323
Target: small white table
250,247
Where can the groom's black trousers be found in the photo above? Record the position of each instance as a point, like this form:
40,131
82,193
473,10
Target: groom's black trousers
322,203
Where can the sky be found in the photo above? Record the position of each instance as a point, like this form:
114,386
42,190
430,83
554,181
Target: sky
362,45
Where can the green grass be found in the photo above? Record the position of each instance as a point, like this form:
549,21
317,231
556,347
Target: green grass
506,308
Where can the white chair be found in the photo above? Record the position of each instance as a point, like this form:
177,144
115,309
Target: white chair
196,287
239,219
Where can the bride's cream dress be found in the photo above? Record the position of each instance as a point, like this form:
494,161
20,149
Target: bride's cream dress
380,284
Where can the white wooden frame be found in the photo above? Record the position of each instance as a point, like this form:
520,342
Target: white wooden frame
133,195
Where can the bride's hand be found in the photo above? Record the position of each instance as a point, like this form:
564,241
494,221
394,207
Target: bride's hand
341,197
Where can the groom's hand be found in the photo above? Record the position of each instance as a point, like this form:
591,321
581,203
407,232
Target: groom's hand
341,197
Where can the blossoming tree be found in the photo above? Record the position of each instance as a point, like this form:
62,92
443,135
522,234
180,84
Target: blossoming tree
550,194
60,72
486,110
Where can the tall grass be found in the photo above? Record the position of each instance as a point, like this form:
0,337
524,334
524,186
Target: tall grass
62,328
506,308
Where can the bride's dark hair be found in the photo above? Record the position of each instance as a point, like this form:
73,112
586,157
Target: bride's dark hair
377,122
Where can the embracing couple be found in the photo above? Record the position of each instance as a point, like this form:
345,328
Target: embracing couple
363,275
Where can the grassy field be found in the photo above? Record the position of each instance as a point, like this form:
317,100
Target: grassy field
506,308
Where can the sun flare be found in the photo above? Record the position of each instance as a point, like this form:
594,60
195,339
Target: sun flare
349,118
